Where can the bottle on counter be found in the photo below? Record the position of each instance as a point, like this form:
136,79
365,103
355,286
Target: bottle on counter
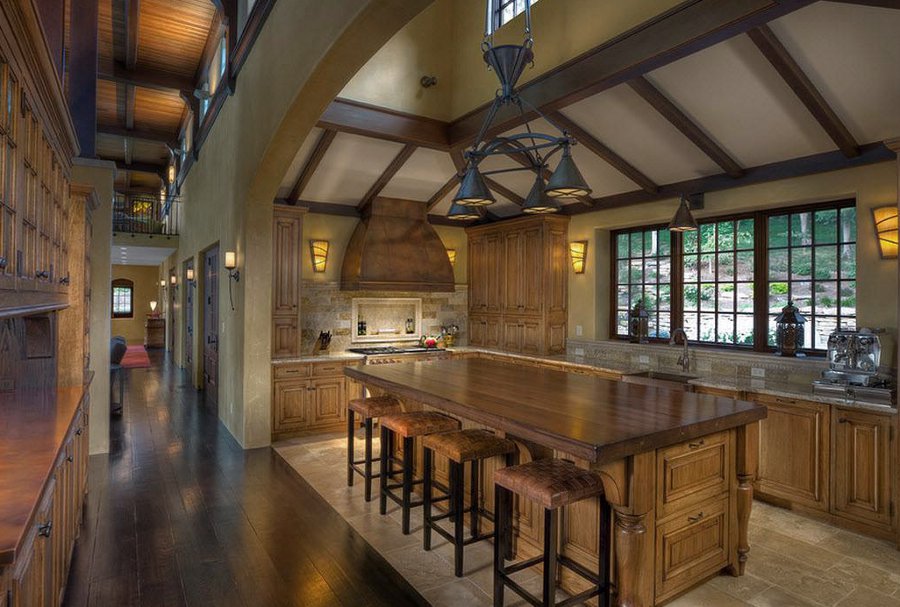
361,327
410,326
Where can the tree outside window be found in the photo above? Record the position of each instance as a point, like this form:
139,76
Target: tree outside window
122,298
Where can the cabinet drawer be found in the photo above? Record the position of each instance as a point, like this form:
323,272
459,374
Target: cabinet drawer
769,399
692,472
690,546
291,371
329,369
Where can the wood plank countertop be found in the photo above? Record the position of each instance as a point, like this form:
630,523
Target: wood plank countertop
33,428
595,419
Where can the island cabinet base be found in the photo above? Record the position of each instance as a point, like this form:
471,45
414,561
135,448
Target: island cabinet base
680,513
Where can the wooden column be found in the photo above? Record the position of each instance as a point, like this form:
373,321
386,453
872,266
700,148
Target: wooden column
747,471
83,75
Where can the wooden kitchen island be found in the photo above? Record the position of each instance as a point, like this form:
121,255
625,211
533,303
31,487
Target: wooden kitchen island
677,467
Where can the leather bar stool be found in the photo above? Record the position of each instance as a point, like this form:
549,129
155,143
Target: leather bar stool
407,426
461,447
552,483
367,409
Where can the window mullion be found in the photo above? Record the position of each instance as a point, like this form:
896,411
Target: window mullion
760,282
676,288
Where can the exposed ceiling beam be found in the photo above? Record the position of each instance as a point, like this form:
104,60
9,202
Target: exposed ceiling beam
344,210
611,158
688,128
142,134
140,167
148,78
137,191
381,123
388,174
775,52
679,32
312,163
129,106
132,26
786,169
209,47
129,153
448,187
504,191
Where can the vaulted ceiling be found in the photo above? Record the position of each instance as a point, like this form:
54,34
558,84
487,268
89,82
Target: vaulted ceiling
819,82
150,56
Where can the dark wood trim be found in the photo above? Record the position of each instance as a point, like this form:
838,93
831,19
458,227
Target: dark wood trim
776,54
143,134
132,32
689,27
82,91
312,163
388,174
688,127
875,3
209,48
212,112
255,22
504,191
381,123
598,148
129,106
147,78
796,167
344,210
445,189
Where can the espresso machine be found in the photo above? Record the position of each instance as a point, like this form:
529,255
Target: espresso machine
854,360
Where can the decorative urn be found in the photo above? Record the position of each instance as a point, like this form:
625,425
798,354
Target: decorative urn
789,331
638,322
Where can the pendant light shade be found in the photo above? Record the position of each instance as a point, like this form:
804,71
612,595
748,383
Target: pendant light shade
473,192
538,201
567,181
683,221
460,212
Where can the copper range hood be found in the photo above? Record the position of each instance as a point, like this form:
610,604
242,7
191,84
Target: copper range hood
394,248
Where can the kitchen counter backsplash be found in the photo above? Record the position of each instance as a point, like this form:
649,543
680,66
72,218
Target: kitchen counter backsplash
704,361
324,307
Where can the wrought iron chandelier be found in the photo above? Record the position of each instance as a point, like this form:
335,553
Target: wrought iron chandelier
508,61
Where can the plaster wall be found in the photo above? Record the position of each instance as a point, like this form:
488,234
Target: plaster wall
146,289
871,186
101,176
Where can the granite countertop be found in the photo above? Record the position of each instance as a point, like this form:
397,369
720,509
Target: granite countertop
321,358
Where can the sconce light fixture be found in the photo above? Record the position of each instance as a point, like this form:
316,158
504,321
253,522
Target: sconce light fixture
578,252
170,173
163,193
886,230
319,251
173,280
162,283
153,307
189,276
451,255
233,274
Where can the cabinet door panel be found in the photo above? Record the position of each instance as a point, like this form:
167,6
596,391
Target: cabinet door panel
494,271
532,270
512,335
862,466
794,453
531,336
328,398
477,327
492,332
285,337
287,237
291,405
514,272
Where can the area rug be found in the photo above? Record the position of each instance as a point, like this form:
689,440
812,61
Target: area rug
136,358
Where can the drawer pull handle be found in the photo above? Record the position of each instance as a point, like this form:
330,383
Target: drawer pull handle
698,517
697,444
70,459
843,420
45,529
80,431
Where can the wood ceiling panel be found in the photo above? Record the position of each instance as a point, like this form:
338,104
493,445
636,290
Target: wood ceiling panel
172,34
145,180
110,105
155,109
110,147
108,22
149,151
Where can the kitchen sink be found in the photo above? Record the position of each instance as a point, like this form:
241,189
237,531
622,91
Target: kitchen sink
674,381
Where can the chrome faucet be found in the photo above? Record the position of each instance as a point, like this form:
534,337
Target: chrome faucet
685,359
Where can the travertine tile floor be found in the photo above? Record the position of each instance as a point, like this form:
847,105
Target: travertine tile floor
794,561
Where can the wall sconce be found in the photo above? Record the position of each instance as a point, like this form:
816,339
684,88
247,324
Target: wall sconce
451,255
233,274
173,280
886,230
578,251
162,283
319,251
189,276
162,194
170,173
153,305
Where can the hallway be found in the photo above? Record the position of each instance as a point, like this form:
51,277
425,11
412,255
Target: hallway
179,514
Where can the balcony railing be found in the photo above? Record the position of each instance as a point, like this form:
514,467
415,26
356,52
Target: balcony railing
139,214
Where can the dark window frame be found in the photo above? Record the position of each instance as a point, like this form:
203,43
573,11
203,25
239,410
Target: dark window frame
760,273
121,283
497,7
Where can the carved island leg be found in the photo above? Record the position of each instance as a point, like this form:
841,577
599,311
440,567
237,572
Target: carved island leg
747,469
630,487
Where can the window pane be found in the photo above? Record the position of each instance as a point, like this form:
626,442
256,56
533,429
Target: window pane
848,224
707,237
708,297
848,261
801,229
622,272
622,246
725,329
801,264
778,264
826,226
826,299
690,242
637,244
745,234
744,269
643,273
848,299
778,231
826,263
744,330
725,240
708,266
665,242
691,268
726,297
726,266
690,297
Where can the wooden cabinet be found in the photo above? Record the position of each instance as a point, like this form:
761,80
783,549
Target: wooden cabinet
287,258
862,466
794,452
689,473
518,272
309,398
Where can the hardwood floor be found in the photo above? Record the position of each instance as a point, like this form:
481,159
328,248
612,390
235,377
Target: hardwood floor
179,514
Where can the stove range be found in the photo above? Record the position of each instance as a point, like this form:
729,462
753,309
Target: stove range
382,350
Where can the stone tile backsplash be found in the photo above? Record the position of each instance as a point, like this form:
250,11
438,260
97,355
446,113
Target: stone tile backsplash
325,307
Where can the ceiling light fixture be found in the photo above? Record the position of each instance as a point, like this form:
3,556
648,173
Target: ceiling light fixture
508,61
538,202
683,220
